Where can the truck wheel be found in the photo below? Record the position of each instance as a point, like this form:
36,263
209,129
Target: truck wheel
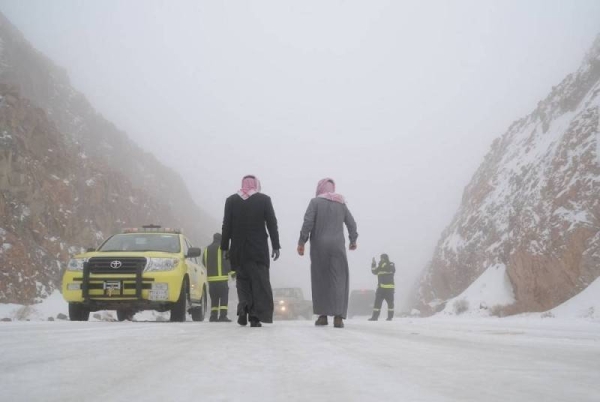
179,310
198,313
123,315
78,312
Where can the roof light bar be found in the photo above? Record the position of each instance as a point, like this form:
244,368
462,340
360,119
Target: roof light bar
152,229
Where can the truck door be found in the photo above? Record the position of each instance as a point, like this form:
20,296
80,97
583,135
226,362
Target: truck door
194,272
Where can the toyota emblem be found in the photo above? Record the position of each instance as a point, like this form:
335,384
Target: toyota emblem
115,264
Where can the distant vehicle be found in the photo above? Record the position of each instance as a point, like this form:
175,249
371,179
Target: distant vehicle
361,302
290,304
148,268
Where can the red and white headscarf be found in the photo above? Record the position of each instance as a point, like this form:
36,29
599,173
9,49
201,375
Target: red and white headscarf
250,186
326,189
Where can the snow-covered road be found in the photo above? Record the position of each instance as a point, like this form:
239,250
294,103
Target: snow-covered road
406,360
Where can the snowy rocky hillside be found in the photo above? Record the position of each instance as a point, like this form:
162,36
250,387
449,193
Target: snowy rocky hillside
532,207
68,177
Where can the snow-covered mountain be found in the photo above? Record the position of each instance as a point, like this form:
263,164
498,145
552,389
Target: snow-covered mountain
532,207
68,177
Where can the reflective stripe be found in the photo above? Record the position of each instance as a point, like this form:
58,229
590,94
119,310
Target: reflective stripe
218,278
384,273
219,262
375,309
387,286
223,308
214,309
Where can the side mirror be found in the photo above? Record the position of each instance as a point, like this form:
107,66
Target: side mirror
90,249
194,252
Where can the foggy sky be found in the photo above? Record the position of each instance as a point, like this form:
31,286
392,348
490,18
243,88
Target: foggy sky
397,101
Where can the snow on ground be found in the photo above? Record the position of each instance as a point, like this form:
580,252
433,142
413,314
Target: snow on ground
54,305
424,359
492,288
441,358
584,305
49,307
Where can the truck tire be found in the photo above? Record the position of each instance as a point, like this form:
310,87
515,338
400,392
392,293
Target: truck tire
179,310
78,312
123,315
198,313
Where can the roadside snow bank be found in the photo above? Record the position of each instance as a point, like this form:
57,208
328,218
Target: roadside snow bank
586,304
54,305
49,307
491,289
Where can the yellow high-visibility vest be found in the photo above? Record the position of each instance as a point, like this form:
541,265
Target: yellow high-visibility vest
219,276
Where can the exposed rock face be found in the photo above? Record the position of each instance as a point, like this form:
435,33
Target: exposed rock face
68,177
533,205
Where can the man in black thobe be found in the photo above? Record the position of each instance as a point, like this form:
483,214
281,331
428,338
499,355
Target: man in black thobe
246,214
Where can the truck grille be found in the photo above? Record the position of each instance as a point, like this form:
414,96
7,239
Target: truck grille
116,265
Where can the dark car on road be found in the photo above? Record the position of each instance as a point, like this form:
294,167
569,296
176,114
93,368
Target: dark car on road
361,302
290,304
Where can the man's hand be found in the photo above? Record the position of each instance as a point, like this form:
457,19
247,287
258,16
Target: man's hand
353,246
275,254
227,255
300,249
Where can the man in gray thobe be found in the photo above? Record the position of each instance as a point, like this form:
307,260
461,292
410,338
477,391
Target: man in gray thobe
324,225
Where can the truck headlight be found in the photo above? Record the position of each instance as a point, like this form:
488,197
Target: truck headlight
161,264
76,264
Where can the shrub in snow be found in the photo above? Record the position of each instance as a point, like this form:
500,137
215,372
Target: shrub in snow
23,313
104,316
460,306
547,314
161,318
498,310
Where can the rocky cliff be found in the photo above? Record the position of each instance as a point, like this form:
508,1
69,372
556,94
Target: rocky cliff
533,205
68,177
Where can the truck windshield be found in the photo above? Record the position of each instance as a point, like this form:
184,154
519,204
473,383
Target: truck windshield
168,243
284,292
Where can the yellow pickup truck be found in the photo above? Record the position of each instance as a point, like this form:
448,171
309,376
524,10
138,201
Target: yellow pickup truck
148,268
